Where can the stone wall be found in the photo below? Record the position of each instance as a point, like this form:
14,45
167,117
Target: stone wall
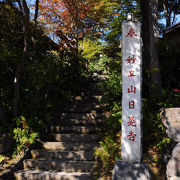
171,120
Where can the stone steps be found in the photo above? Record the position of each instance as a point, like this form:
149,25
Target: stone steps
83,122
81,108
90,89
89,92
63,155
83,102
76,129
96,122
86,98
67,152
81,116
70,146
51,175
73,137
58,165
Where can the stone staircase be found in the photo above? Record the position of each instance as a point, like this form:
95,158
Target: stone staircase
67,152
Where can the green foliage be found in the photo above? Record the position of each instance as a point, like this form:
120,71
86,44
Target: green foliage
10,50
169,59
120,14
93,54
113,90
101,60
155,140
91,49
48,79
109,153
24,138
23,135
98,64
2,158
154,136
153,129
111,145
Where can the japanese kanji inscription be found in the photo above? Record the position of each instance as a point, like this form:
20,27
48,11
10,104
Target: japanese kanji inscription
132,89
131,60
131,92
131,121
131,73
131,136
131,33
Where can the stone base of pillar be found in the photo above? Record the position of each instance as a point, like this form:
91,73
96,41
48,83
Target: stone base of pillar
130,171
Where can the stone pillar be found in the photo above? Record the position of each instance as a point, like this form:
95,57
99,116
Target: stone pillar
131,92
131,149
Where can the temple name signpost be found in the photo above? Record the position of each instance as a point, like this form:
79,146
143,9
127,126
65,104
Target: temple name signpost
131,148
131,92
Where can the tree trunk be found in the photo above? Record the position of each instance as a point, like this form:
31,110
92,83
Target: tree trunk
36,12
154,7
77,26
150,50
169,9
17,79
35,24
25,23
168,18
2,115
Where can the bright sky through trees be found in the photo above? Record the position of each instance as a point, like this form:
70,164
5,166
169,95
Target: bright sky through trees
31,2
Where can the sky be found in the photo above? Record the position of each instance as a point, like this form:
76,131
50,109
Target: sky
176,21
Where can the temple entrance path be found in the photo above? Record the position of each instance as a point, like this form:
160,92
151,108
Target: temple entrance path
67,152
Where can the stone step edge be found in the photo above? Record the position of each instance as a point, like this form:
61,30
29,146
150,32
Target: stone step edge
70,134
64,142
59,165
41,154
54,174
73,135
57,137
60,150
75,146
76,129
94,113
78,122
59,127
57,160
90,96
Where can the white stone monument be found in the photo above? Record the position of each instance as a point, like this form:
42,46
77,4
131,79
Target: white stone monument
130,168
131,92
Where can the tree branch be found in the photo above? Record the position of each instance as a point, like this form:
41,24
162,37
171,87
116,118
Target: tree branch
36,12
